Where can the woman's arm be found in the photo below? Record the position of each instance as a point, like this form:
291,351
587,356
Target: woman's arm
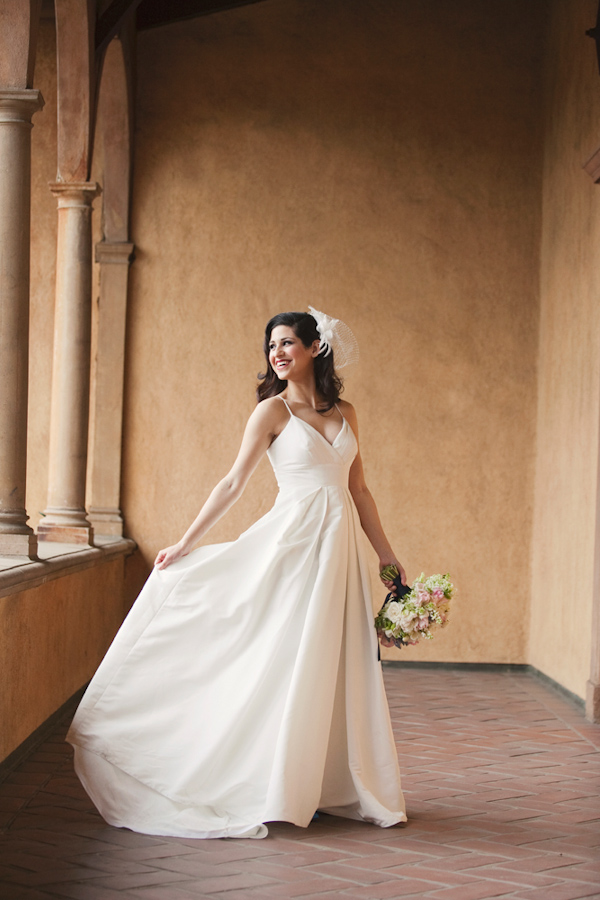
367,510
263,426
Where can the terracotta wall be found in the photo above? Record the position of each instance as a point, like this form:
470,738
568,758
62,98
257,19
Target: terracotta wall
569,357
380,161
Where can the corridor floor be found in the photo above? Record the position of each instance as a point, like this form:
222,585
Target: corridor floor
502,781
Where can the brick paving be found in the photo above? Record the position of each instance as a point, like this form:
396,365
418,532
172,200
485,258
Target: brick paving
501,775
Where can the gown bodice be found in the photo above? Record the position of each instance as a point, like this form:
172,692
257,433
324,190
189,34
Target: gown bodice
303,459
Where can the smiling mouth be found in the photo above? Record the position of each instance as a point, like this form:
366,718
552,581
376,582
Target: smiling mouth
280,364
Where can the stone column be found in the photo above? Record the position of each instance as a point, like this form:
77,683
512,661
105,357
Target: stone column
65,518
106,413
16,110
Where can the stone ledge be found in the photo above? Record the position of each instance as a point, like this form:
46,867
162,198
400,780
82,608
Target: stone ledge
57,560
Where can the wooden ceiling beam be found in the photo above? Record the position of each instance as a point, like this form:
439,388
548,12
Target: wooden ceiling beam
153,13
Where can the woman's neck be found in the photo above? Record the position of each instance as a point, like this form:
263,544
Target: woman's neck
303,392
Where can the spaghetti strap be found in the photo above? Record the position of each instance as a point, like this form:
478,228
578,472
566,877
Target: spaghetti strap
286,404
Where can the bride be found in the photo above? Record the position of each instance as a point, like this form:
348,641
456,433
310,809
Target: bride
244,686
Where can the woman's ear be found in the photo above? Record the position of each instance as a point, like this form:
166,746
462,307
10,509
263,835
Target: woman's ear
315,348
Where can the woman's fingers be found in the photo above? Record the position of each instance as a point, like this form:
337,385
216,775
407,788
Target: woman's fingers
165,558
384,640
402,574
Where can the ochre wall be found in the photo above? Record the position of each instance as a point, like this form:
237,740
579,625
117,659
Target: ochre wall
380,161
52,638
569,357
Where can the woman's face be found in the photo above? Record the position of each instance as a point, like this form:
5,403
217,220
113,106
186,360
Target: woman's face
288,356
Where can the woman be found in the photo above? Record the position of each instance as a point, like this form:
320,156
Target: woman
220,708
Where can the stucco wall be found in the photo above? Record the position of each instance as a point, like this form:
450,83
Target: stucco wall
380,161
52,638
569,357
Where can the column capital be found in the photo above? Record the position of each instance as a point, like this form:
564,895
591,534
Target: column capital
114,252
75,193
18,105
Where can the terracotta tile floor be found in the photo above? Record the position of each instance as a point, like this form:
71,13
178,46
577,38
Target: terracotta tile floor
502,778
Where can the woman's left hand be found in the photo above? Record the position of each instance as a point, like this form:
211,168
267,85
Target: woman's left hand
170,555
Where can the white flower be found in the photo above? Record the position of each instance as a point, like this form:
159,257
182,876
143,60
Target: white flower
393,612
405,621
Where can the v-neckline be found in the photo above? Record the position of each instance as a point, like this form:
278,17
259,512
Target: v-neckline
312,427
316,431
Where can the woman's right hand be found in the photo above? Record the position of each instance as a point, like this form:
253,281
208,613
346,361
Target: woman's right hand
384,640
170,555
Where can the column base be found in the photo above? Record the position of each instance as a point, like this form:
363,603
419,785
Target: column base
592,702
66,534
106,521
24,545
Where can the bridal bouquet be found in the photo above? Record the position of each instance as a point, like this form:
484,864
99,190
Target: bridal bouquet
412,614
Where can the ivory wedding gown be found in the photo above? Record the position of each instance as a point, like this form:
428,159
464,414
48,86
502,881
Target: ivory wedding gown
244,686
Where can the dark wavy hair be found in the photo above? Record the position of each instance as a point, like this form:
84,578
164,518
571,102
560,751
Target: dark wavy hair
328,383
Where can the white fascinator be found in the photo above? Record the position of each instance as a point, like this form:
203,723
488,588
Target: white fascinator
335,335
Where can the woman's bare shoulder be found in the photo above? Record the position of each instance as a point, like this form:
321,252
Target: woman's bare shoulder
346,408
272,413
273,404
